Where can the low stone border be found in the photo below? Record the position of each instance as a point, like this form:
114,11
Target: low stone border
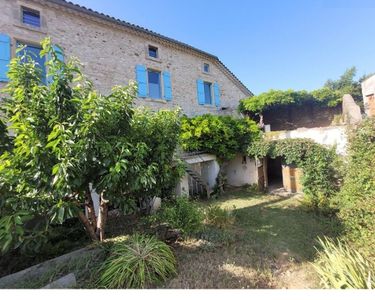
12,280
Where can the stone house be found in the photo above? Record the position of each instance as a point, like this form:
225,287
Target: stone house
368,92
169,73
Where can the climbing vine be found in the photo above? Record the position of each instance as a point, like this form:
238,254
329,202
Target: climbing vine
223,136
319,180
330,95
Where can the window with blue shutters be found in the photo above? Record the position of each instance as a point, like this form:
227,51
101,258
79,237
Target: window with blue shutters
30,17
4,56
33,53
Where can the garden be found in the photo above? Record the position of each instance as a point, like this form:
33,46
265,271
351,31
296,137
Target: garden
59,142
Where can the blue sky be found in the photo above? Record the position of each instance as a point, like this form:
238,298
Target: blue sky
277,44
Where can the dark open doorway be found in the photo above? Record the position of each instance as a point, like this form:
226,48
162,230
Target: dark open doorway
274,173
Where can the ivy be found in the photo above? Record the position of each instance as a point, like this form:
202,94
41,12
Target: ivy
223,136
319,180
356,198
330,95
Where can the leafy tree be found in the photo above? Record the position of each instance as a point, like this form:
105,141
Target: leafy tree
69,139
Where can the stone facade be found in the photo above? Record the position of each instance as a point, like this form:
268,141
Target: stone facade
368,92
110,52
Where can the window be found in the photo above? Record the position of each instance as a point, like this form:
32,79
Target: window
34,53
153,52
154,86
30,17
207,93
206,68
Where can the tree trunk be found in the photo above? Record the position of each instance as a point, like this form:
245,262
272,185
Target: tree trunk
102,218
89,204
89,228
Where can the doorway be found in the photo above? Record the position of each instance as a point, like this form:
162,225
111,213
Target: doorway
274,173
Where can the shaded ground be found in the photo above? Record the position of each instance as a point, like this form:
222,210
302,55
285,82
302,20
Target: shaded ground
271,245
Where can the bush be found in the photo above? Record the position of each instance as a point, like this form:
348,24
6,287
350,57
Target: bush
219,217
356,198
137,262
181,214
341,267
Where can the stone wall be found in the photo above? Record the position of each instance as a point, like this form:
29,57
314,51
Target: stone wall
240,171
329,136
308,115
368,92
110,53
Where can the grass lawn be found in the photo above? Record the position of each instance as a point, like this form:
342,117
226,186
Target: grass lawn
270,245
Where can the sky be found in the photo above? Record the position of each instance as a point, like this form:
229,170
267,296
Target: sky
267,44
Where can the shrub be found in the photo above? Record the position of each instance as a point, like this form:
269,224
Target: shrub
217,216
356,198
181,214
341,267
137,262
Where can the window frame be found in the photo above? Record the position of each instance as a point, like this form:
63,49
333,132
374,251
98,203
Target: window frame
151,47
210,90
160,83
33,11
208,68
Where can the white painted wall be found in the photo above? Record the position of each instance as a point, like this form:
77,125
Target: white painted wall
330,136
239,172
209,172
182,188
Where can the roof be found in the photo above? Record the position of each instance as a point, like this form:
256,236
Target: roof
137,28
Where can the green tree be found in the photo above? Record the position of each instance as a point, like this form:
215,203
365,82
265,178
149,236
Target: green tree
67,140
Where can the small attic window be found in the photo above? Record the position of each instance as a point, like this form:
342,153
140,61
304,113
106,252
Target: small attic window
206,68
153,52
30,17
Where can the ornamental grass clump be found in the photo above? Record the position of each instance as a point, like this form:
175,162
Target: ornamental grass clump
138,262
219,217
341,267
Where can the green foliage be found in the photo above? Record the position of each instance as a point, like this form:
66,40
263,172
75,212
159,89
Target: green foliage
223,136
68,136
137,262
328,96
219,217
320,180
182,214
160,131
341,267
356,198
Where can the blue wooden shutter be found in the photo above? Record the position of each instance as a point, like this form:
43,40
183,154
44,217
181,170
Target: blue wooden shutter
4,56
217,94
59,53
200,91
141,75
167,86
